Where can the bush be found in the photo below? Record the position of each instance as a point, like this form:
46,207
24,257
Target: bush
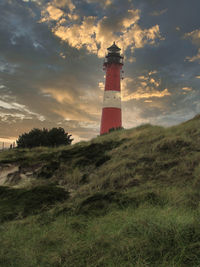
115,129
37,137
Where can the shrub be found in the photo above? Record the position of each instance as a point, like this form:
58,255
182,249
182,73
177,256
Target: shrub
37,137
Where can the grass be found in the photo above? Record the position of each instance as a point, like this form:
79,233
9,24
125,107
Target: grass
144,226
129,198
20,203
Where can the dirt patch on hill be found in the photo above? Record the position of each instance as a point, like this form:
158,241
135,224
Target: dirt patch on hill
13,175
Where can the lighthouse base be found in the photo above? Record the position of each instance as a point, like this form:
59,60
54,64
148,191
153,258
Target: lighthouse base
111,118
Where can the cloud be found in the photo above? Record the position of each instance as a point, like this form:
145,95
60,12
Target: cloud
79,36
132,17
8,67
194,58
82,107
154,82
60,95
195,38
153,72
148,93
147,87
103,3
101,86
187,88
159,12
51,13
92,35
143,78
96,33
138,37
64,3
8,106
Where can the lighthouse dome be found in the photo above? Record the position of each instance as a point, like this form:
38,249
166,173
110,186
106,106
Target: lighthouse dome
113,48
113,55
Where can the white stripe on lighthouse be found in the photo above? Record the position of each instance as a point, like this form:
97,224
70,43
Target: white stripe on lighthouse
112,99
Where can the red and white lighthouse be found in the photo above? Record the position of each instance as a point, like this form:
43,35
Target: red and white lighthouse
111,112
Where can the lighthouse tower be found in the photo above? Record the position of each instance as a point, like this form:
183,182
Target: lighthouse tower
111,112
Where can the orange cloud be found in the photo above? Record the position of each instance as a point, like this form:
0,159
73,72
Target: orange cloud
132,17
72,107
63,4
103,3
97,34
194,36
52,11
153,72
101,86
153,81
143,78
148,101
147,87
187,88
72,115
60,95
149,93
79,35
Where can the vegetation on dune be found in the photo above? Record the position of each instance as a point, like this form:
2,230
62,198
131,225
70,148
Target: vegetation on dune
20,203
144,226
128,198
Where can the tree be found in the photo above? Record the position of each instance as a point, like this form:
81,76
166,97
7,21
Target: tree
37,137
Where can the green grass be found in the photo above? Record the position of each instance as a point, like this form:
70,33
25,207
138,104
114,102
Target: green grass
144,226
129,198
20,203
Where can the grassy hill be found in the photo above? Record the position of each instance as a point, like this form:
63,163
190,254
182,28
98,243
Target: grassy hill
129,198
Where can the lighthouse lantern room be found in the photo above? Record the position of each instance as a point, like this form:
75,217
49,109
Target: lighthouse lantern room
111,111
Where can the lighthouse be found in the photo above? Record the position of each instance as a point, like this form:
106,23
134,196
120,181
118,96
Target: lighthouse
111,112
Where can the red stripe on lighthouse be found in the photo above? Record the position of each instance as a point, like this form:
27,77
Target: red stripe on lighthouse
113,77
111,118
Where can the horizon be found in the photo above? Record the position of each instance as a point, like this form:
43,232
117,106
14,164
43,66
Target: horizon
51,61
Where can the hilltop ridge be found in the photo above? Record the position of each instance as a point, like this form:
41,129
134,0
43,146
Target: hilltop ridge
128,198
114,160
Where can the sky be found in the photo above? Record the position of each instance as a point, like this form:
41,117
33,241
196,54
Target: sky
51,63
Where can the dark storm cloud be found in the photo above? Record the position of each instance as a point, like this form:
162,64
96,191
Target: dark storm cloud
51,59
